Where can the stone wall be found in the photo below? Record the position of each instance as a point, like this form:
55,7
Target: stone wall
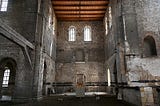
92,62
21,16
35,22
132,95
24,75
132,22
45,54
143,71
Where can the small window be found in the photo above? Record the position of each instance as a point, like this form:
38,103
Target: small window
54,25
6,77
51,47
109,77
50,18
87,33
3,5
110,16
72,33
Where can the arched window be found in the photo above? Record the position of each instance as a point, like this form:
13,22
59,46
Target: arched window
106,25
6,77
110,16
72,33
87,33
50,18
149,47
3,5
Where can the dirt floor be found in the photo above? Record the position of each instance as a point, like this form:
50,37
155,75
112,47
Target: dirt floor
72,101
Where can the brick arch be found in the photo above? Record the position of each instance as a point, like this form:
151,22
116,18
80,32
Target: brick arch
152,34
9,62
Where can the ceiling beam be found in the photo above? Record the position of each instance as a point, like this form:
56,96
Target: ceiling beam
80,19
76,10
77,16
73,3
67,8
79,12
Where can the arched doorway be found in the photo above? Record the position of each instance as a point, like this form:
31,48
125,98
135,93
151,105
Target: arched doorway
7,78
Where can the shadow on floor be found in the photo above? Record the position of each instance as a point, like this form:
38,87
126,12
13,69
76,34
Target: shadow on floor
73,101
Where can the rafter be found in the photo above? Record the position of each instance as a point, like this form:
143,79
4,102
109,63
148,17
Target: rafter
80,9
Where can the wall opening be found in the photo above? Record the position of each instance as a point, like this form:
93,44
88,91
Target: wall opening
149,47
7,78
87,33
3,5
109,77
72,33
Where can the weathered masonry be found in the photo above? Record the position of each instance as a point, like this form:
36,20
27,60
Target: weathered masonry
114,44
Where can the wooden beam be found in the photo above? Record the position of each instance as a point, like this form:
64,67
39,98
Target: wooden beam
14,36
26,54
79,12
80,19
80,8
77,16
85,3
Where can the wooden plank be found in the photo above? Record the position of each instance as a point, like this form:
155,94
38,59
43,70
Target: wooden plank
77,16
80,19
67,8
73,3
14,36
80,9
79,12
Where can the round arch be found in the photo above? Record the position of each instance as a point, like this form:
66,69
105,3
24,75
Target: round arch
8,69
149,47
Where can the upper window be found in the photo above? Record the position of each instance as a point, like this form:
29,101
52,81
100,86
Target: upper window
6,77
51,47
54,25
72,33
3,5
106,25
50,17
110,16
87,33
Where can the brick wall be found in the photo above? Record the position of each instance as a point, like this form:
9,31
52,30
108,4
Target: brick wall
92,53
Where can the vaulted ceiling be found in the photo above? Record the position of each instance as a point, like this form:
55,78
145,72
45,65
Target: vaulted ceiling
80,10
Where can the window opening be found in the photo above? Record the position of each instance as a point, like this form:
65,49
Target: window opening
72,33
6,77
87,33
3,5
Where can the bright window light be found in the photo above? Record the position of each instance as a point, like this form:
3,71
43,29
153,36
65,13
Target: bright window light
72,33
6,78
109,77
87,33
3,5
